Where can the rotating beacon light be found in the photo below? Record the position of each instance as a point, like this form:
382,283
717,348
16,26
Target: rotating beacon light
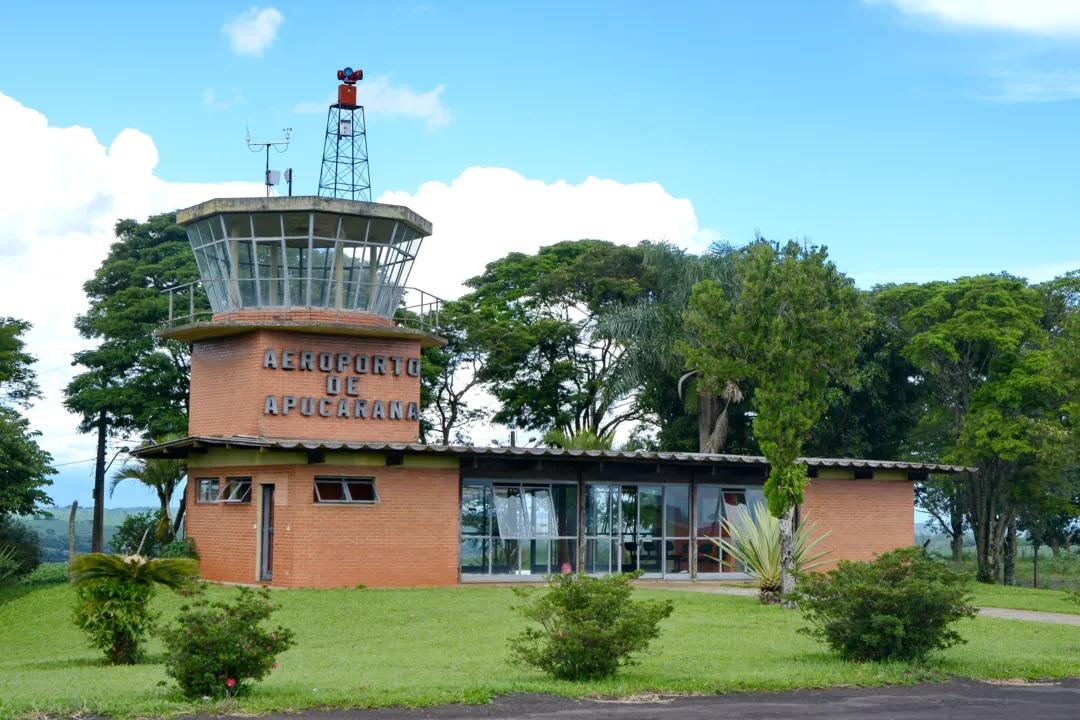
346,92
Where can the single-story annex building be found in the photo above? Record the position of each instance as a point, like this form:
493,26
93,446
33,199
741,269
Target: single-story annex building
304,468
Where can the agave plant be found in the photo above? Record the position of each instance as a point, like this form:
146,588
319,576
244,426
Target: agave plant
754,542
114,593
9,565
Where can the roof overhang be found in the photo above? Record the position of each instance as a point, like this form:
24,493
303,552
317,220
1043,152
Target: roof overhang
197,444
197,331
303,203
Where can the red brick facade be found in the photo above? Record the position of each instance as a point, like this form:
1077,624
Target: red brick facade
230,385
866,517
408,538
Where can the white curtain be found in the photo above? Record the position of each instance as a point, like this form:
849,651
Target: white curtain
525,516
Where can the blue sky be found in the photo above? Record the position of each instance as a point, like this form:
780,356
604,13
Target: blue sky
918,139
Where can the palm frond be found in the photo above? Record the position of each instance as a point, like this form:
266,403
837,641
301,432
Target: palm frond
173,573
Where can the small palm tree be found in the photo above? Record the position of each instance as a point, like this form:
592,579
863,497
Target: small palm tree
754,542
114,594
161,476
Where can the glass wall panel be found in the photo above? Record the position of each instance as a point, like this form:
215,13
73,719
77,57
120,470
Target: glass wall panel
325,225
322,273
714,504
296,258
267,225
637,527
244,261
295,224
238,226
519,526
272,275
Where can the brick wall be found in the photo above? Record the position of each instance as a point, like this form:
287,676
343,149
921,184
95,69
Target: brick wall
229,386
866,517
304,314
408,538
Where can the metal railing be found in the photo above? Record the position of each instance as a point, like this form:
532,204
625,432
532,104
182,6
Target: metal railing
406,307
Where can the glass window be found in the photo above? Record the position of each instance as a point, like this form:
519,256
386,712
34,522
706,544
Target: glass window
208,489
296,224
238,226
637,527
325,226
518,528
716,504
346,490
267,225
236,490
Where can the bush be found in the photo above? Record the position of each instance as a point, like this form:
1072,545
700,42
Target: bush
116,615
114,594
589,626
9,566
22,540
47,573
183,548
129,533
216,649
900,606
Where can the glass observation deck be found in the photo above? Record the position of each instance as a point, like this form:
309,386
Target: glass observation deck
302,252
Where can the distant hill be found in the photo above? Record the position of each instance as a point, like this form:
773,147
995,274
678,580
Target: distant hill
54,530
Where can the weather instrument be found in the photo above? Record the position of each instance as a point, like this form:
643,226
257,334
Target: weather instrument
272,177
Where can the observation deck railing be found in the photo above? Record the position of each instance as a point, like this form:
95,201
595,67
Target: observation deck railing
406,307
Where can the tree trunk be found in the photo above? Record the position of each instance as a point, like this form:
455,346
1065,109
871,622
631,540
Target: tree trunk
97,540
71,530
1055,547
956,520
179,517
787,559
1035,559
708,409
1009,577
987,516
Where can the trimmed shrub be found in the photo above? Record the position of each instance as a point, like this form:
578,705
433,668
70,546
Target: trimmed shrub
217,649
183,548
589,626
900,606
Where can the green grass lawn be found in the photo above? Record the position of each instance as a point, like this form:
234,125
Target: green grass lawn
368,648
1019,598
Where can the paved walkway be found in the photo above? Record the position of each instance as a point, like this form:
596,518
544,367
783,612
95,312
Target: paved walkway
717,588
957,700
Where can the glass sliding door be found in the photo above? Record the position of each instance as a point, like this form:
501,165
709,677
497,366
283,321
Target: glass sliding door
637,527
515,529
716,504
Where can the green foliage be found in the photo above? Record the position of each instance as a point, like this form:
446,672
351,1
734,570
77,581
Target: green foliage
533,318
217,649
183,548
173,573
161,476
900,606
53,572
581,440
18,382
115,614
21,541
9,566
24,467
589,626
134,380
114,594
791,327
754,542
451,374
138,528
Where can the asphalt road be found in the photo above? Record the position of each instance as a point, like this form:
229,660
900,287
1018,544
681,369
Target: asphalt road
957,700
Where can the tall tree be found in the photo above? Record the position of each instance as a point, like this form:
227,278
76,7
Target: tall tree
792,329
650,328
24,467
534,318
133,381
452,375
980,348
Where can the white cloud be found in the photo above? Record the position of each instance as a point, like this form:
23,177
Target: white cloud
213,102
1043,17
380,97
253,31
1032,87
488,212
63,191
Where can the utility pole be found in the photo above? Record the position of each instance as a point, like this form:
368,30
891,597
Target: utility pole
97,541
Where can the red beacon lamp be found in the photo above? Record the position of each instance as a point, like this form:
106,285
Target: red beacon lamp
346,92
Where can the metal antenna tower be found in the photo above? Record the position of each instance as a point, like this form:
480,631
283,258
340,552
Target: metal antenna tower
273,177
344,171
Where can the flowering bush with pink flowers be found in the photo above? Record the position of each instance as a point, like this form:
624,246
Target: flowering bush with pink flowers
217,649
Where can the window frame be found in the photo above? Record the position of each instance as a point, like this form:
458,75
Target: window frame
344,481
199,498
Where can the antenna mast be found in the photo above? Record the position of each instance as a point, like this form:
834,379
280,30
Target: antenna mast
273,177
344,171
